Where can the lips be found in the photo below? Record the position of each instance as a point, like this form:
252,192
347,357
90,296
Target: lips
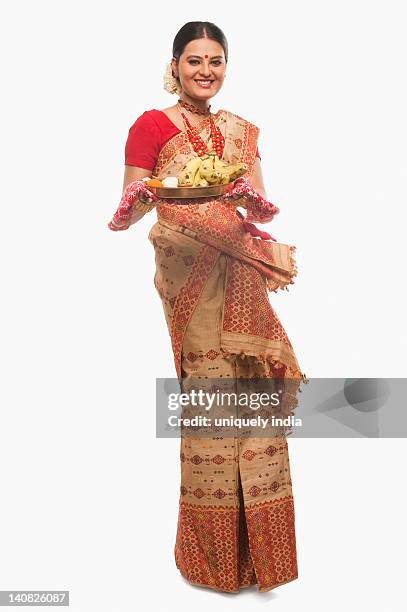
206,84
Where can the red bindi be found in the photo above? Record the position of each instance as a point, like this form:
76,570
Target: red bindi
206,56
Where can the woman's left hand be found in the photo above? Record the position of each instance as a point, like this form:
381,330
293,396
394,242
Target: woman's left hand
259,210
240,188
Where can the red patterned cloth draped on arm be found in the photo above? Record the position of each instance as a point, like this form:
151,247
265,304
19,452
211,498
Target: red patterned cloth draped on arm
136,198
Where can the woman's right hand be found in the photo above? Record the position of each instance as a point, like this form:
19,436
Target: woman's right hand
136,198
146,195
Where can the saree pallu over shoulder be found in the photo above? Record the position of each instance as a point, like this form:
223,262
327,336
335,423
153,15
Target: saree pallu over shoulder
188,239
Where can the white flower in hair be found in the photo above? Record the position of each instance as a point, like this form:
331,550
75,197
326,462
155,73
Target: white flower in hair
171,84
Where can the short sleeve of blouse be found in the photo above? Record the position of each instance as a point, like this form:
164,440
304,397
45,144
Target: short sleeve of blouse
143,143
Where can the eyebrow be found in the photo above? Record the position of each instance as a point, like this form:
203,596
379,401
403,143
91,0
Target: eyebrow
200,57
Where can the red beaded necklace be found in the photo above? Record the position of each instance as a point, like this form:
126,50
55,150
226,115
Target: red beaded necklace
198,144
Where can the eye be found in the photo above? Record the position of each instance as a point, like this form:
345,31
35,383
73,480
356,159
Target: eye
194,62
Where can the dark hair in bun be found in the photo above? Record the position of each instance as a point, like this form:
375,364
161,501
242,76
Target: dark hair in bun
198,29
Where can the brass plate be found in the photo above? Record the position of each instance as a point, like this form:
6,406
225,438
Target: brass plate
180,193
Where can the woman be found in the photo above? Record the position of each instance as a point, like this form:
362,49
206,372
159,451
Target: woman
213,270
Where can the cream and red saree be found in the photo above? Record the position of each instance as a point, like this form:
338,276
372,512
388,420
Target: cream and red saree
236,511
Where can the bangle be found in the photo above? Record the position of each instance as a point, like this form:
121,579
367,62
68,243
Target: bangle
143,206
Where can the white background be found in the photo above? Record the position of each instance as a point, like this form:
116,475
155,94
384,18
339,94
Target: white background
88,494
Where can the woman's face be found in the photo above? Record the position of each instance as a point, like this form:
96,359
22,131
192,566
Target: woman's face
201,68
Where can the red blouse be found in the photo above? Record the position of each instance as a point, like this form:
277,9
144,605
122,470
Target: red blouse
147,136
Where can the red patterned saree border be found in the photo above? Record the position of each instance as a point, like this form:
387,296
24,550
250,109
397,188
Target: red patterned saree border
187,299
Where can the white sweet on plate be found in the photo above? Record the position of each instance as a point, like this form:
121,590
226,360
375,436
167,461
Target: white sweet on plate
170,181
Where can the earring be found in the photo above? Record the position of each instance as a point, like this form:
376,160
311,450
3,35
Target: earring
171,84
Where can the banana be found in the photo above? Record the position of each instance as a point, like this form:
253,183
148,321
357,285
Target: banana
219,164
209,170
236,171
187,174
214,178
233,172
197,177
